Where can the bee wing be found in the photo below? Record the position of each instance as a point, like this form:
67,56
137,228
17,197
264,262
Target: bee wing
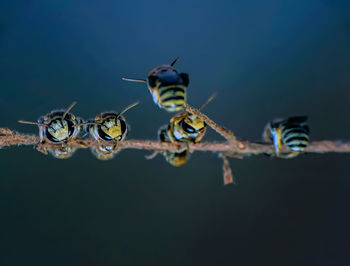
296,119
306,128
185,78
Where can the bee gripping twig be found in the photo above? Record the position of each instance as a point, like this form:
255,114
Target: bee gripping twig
227,134
245,148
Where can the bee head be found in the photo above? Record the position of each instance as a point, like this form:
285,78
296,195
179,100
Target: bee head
59,129
111,127
57,126
192,124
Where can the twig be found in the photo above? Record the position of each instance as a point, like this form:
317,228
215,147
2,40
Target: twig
12,138
227,134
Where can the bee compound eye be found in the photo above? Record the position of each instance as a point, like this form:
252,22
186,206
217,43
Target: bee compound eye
186,127
50,136
123,126
152,81
102,134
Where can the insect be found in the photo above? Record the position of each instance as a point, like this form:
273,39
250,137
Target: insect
107,127
63,152
167,86
59,126
177,158
187,127
293,132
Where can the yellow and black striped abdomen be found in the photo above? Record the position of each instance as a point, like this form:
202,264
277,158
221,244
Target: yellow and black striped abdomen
172,97
296,137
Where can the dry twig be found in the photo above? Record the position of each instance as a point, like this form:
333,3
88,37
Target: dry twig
12,138
231,148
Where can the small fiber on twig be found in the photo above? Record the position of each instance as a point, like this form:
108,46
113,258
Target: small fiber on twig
151,155
227,172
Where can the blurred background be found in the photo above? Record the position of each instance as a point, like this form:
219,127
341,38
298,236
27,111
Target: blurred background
265,59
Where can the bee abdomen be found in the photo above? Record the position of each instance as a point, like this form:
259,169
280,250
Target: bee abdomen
173,90
172,97
296,138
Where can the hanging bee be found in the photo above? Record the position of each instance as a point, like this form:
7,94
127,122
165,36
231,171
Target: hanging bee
63,152
106,127
293,132
177,158
187,127
59,126
167,86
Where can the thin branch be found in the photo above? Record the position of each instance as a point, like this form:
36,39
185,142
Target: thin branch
12,138
227,134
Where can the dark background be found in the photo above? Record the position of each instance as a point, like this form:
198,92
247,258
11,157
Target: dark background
265,59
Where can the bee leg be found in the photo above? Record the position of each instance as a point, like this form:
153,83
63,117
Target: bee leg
115,148
188,148
290,155
81,143
40,147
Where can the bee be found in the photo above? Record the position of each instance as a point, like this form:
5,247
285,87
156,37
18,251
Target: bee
293,132
63,152
107,127
167,86
177,158
59,126
187,127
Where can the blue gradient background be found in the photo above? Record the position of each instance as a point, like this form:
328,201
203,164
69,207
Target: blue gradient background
265,59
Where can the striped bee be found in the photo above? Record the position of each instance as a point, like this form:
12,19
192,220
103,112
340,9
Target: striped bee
187,127
59,126
107,127
167,86
293,132
177,158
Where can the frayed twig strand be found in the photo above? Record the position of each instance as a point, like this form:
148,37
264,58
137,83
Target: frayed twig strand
227,172
152,155
12,138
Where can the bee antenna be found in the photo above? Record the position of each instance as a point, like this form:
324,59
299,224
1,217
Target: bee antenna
174,62
68,109
128,107
135,80
208,101
32,123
